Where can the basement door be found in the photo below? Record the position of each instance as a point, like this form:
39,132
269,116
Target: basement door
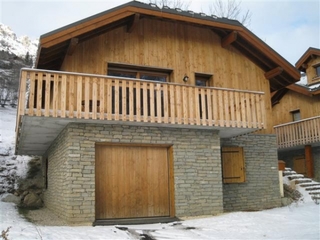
133,181
299,165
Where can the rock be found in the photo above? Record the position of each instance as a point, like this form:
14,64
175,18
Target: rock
286,201
32,200
11,198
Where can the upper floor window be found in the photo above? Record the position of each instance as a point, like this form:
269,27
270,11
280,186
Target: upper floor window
296,115
317,68
140,72
202,80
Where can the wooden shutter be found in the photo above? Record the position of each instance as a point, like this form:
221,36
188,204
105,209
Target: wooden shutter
233,165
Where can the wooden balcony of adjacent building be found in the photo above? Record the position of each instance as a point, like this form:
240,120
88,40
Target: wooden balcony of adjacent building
49,100
299,133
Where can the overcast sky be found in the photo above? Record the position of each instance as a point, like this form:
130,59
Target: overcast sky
289,26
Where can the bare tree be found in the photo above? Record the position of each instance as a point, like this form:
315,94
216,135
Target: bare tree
171,3
230,9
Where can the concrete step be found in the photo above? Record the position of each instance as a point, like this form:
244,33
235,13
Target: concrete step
295,176
313,188
315,192
313,184
302,180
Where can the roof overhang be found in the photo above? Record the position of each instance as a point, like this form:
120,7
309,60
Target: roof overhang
54,45
302,63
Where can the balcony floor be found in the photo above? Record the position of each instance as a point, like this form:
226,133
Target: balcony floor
36,134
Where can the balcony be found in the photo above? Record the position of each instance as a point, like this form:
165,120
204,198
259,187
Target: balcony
49,100
299,133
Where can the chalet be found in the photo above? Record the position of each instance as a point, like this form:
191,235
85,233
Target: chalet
297,118
147,114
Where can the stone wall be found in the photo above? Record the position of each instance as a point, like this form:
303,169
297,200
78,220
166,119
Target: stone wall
261,189
197,168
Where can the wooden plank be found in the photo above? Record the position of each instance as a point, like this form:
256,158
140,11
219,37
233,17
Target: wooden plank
171,181
152,103
226,108
172,104
229,39
263,112
209,103
191,106
116,99
131,102
138,101
243,110
178,104
145,102
232,109
109,100
203,107
47,95
71,95
259,111
215,107
86,97
39,94
197,105
158,96
248,108
102,97
22,93
94,98
221,108
79,97
254,111
123,85
185,105
56,100
165,104
273,73
237,108
63,95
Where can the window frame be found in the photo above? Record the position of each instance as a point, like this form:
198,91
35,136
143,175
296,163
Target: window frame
204,77
293,115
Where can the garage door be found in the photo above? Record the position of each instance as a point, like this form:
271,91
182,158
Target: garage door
133,181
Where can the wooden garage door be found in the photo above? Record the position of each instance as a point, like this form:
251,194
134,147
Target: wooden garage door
132,181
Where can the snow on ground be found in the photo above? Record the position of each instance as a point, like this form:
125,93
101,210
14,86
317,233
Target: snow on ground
297,221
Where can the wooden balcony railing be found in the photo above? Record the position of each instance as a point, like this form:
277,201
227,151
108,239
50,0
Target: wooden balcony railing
84,96
297,133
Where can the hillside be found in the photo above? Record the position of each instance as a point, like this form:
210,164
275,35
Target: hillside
15,53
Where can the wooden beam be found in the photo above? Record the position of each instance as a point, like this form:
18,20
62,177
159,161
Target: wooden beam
273,73
72,46
309,161
229,39
133,23
300,89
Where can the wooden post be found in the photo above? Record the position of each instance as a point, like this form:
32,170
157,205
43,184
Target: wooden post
309,160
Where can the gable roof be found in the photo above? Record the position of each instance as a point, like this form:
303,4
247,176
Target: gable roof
301,64
54,45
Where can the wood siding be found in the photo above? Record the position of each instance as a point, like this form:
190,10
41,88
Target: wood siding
185,49
311,72
308,106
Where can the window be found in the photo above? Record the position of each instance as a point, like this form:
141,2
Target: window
233,168
140,72
317,68
202,80
296,115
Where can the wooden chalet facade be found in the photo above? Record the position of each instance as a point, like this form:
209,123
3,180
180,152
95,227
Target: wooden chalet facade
146,114
297,119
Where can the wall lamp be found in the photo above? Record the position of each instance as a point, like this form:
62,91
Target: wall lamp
185,78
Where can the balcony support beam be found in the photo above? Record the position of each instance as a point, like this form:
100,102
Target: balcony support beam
309,160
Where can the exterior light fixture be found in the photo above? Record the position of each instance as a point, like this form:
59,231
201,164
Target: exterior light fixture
185,78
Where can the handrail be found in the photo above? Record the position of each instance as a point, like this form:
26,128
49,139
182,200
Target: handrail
88,96
298,133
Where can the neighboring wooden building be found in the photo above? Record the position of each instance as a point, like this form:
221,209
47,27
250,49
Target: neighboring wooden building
146,114
297,119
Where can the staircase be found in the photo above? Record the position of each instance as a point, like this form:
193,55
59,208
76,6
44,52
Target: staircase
305,186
